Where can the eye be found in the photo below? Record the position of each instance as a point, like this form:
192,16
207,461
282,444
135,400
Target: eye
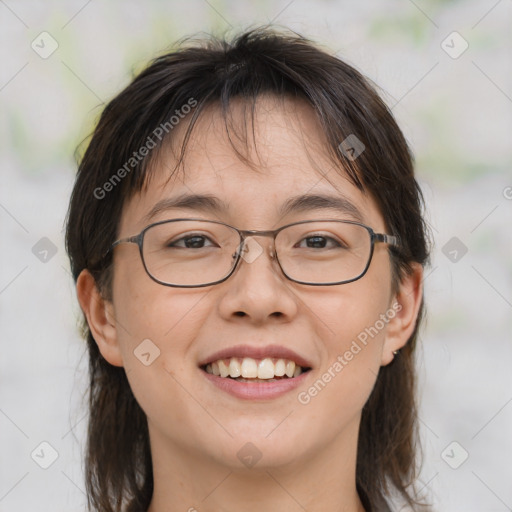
192,242
321,242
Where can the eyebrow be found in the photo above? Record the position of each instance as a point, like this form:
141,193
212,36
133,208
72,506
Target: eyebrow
207,203
312,202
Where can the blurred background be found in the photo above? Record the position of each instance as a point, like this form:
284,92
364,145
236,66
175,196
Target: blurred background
445,70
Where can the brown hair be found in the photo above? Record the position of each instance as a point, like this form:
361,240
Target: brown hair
214,72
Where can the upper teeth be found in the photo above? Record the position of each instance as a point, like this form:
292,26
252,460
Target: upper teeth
250,368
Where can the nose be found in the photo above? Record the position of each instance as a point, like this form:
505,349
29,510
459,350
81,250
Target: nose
257,290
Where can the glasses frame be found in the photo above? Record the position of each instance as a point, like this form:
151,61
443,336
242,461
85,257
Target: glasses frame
138,239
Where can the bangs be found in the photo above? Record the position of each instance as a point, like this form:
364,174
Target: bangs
165,96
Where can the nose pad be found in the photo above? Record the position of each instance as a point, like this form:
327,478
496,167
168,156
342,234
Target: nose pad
250,250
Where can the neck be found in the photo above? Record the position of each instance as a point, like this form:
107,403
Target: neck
324,481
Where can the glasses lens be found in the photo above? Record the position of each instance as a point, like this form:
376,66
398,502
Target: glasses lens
323,252
189,253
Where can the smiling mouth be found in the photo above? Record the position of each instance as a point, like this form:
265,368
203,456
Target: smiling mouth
248,369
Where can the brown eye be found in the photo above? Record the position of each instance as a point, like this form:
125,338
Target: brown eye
320,242
192,242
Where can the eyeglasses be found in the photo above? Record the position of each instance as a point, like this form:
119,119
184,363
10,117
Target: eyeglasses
191,253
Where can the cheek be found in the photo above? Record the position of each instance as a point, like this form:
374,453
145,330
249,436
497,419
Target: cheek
345,313
351,330
157,325
147,309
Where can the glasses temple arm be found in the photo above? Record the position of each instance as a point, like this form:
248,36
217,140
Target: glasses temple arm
388,239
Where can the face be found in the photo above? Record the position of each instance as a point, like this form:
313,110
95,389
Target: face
257,311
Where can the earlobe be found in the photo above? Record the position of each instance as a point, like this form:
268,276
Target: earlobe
406,306
100,318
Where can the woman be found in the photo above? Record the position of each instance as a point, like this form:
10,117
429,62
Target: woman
255,351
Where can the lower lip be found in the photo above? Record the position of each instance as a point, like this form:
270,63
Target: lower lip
256,390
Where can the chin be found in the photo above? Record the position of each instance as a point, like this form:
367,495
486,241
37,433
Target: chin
255,449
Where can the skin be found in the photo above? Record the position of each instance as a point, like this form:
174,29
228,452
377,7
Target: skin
308,452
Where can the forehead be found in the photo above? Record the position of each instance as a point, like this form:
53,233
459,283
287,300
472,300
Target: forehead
254,162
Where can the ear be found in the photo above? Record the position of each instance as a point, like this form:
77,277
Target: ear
100,317
405,305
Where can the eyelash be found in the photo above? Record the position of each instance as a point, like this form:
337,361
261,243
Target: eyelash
188,237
